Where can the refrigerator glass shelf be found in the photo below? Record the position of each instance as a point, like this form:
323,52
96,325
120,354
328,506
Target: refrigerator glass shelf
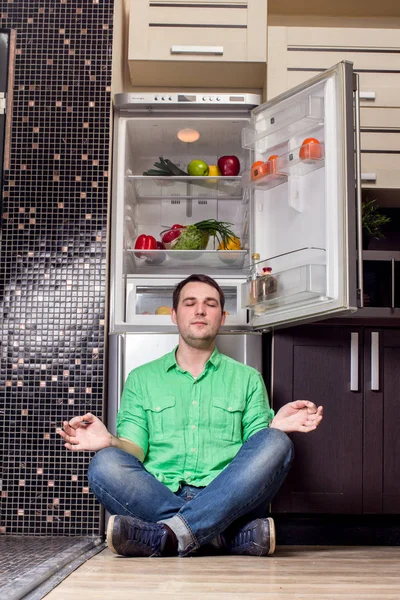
186,187
275,125
299,161
166,260
283,288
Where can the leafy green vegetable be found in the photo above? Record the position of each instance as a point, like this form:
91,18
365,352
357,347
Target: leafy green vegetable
191,238
196,236
165,168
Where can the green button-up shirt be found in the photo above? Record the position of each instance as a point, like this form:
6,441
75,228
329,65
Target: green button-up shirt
191,428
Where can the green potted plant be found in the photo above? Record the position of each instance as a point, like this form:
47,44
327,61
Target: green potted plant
373,221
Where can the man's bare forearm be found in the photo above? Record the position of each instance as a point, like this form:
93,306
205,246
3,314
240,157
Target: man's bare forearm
127,446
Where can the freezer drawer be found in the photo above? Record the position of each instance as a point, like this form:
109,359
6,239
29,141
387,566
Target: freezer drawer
149,301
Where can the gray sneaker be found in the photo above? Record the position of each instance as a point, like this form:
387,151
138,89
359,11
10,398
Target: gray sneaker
256,538
130,536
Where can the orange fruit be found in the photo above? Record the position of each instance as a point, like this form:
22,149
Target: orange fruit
272,163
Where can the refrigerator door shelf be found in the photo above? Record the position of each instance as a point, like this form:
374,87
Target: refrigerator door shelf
291,277
297,285
149,301
276,124
220,187
298,162
183,261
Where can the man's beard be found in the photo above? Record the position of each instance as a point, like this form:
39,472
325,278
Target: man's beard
198,341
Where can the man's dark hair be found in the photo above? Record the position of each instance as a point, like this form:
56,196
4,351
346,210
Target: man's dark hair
201,279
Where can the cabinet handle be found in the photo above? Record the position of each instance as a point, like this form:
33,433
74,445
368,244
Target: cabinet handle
375,361
367,96
368,176
393,282
216,50
354,363
357,139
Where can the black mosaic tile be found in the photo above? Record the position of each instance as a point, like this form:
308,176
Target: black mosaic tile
53,257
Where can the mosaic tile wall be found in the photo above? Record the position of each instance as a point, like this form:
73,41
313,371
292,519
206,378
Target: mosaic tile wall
53,259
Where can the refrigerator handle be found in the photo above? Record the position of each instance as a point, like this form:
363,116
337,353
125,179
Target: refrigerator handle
357,139
393,283
120,374
354,362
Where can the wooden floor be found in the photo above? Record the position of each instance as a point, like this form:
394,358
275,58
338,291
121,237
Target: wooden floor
298,573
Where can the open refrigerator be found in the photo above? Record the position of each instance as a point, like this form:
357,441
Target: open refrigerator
298,214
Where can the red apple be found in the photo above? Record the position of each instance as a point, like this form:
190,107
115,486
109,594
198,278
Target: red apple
229,165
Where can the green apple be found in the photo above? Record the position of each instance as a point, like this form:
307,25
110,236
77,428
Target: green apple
197,168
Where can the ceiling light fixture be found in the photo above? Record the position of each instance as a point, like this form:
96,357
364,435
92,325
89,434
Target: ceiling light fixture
188,135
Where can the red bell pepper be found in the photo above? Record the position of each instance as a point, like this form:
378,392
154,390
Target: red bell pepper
145,242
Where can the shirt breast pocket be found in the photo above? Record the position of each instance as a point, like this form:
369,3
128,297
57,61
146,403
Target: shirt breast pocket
227,418
161,417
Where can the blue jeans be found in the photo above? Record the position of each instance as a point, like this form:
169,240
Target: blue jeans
196,515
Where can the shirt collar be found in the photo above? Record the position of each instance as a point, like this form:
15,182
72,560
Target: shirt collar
215,358
170,359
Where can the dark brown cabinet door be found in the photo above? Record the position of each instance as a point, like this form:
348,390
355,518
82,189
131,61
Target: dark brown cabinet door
315,363
382,421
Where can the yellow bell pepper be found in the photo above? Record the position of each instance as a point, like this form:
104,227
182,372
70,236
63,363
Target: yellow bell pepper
232,244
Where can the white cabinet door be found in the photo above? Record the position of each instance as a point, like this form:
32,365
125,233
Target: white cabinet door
304,208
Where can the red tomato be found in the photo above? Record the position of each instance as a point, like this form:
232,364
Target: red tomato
311,149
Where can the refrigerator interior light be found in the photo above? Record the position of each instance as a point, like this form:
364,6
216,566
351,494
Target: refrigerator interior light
188,135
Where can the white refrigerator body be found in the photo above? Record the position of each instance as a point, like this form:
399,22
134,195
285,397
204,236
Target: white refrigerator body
302,220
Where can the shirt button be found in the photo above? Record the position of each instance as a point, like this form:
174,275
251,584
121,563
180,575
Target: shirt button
193,449
158,408
193,426
230,408
194,402
188,479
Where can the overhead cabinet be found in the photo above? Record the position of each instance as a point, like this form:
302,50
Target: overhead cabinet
295,53
198,44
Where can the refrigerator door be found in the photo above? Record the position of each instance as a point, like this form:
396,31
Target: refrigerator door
304,209
128,351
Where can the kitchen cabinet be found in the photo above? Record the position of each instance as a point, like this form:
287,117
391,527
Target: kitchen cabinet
197,44
381,274
349,465
295,53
